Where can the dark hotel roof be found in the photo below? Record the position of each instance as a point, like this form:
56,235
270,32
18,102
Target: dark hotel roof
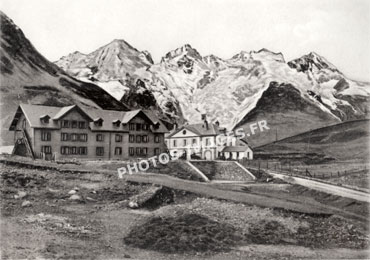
35,113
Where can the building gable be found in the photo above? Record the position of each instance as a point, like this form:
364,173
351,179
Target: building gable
156,125
67,110
183,132
16,118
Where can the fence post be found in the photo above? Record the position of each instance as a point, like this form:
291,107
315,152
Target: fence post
259,166
338,173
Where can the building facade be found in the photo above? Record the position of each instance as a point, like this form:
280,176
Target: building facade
206,141
72,132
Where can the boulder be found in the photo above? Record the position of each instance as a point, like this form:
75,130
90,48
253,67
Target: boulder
133,205
75,197
152,197
26,203
20,195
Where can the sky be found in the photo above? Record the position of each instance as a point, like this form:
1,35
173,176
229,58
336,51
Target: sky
339,30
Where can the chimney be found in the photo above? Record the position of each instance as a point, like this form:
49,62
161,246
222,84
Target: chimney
206,124
204,119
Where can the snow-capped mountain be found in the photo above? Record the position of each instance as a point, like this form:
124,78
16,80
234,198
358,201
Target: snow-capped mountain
293,96
343,96
110,62
108,66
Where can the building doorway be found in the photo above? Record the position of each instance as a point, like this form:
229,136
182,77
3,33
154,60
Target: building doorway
208,155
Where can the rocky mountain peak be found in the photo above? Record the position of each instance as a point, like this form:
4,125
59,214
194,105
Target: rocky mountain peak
147,56
267,54
185,50
120,43
311,62
242,56
214,62
262,55
211,57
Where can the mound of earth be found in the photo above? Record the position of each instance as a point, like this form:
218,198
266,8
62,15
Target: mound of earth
188,233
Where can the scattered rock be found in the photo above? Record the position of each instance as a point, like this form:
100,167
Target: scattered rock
20,195
90,199
26,203
71,192
75,197
133,205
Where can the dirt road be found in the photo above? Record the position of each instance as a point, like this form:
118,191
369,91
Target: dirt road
321,186
208,189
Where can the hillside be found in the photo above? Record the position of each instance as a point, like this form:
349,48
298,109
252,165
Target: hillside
344,141
27,77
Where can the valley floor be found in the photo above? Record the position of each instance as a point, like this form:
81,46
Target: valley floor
57,212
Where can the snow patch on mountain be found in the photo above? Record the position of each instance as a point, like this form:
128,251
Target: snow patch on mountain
186,85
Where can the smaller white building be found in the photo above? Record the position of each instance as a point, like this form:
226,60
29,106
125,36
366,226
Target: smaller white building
206,141
197,141
240,150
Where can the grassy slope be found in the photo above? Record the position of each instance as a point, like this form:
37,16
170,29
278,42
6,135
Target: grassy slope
344,141
286,112
27,77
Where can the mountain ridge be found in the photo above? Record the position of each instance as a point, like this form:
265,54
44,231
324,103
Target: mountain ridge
229,89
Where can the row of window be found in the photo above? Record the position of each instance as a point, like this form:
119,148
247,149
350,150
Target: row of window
46,136
139,127
46,149
73,124
65,150
193,141
143,138
73,150
82,150
100,138
141,151
73,137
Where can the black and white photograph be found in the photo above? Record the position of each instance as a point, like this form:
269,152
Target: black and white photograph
184,129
